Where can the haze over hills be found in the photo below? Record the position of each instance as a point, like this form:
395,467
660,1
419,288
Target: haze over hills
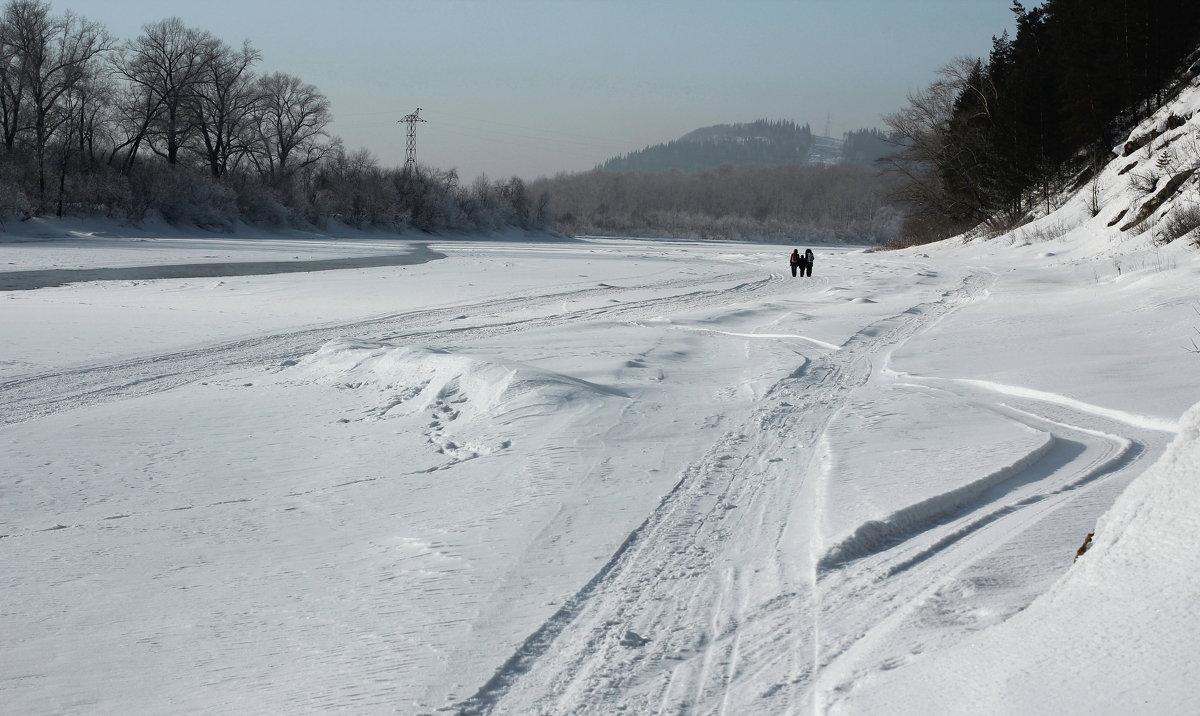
759,143
765,181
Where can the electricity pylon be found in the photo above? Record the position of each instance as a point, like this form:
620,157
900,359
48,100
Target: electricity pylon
410,155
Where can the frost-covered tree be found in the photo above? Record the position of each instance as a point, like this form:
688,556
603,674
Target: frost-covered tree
44,58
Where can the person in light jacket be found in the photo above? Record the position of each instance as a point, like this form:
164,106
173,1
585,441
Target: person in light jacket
806,263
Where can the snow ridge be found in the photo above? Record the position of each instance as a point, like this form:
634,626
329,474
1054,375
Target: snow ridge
1145,422
877,535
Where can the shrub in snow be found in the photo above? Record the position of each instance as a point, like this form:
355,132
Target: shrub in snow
261,205
183,197
13,202
1183,219
101,191
1144,182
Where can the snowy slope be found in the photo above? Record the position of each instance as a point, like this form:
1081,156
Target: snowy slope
1116,633
603,476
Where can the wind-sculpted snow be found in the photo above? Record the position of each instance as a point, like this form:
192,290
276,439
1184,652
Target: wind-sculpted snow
878,535
469,405
414,379
590,478
1115,635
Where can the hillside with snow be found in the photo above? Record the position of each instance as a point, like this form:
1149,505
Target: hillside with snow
601,475
1116,632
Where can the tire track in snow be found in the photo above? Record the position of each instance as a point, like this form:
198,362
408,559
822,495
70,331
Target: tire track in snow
651,631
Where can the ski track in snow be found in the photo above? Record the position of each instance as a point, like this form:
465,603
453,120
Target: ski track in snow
763,336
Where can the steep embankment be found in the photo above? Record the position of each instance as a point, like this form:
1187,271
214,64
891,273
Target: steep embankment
1116,634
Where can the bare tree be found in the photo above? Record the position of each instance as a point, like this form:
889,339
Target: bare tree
50,56
92,99
12,79
166,65
83,110
517,195
133,110
291,119
926,156
226,100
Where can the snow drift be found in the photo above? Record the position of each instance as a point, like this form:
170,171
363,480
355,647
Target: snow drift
419,378
476,405
1115,635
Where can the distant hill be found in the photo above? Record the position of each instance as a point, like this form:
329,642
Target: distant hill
761,143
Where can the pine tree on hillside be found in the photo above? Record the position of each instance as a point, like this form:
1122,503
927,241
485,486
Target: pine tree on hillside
865,146
1076,74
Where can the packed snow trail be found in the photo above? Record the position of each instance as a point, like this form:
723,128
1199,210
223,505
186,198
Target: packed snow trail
726,600
710,602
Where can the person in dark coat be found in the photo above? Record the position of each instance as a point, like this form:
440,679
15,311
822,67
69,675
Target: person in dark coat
795,261
807,262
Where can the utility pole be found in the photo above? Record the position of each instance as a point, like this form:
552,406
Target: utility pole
410,155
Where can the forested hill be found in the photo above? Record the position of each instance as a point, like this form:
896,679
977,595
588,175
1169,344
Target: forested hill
992,142
763,181
760,143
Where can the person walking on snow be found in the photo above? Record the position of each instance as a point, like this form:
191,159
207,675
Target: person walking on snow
795,261
806,264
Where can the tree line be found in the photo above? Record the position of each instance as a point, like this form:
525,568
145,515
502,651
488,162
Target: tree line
177,121
990,142
865,146
840,203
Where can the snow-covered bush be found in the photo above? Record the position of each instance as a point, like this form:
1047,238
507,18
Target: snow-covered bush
182,197
13,202
101,191
260,205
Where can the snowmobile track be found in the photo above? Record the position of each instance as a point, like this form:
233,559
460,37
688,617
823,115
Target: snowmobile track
625,642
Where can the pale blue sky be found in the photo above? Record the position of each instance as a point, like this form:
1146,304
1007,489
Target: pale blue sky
532,87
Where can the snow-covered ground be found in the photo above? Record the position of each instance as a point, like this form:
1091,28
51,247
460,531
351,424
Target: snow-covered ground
580,477
607,476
